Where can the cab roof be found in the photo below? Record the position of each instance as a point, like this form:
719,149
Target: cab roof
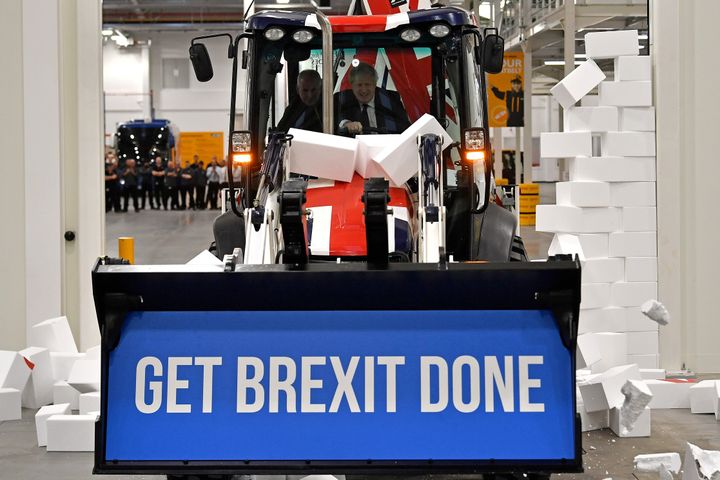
453,16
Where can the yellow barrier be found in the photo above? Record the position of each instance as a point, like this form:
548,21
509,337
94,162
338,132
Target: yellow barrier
529,199
501,182
126,249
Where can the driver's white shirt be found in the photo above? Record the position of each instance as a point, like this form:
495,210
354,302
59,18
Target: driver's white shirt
371,114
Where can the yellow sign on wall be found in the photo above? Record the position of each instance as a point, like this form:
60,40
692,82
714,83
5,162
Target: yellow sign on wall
506,95
203,144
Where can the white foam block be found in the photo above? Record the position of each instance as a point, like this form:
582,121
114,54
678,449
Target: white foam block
628,144
653,462
594,295
629,68
633,244
593,420
368,147
609,319
588,350
583,194
612,44
590,101
53,334
14,372
577,84
85,375
703,396
10,404
93,352
632,294
322,155
612,169
641,269
205,258
636,321
400,160
701,464
613,351
652,373
644,361
642,343
632,194
641,427
42,416
71,433
565,244
716,401
592,119
603,391
603,270
595,245
89,402
38,389
639,219
669,394
565,144
637,119
567,219
64,393
62,363
625,94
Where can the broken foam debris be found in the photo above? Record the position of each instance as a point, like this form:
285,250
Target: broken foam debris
656,312
637,397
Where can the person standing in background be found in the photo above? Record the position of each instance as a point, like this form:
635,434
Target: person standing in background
223,174
145,185
213,177
171,184
187,185
130,181
158,182
112,188
200,184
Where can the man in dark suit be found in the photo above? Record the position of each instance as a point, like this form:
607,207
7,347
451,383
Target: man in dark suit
305,111
367,108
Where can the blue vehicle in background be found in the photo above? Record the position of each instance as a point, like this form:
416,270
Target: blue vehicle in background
142,141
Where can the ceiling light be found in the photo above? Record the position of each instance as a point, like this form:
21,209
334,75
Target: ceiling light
642,37
107,33
283,1
560,62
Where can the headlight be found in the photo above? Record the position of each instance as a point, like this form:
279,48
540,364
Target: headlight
241,147
474,139
274,33
410,35
303,36
439,30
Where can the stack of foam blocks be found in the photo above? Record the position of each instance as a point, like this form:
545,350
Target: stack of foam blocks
606,214
53,377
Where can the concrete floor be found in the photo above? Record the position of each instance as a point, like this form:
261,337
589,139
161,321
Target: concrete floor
175,237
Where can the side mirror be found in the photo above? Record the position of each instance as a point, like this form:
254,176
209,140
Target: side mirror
201,62
493,51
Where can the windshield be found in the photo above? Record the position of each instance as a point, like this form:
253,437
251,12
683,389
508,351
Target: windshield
380,85
142,143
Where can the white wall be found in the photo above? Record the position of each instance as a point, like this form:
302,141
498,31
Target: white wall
688,103
51,135
201,107
12,195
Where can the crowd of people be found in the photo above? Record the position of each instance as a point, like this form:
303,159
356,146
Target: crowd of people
164,185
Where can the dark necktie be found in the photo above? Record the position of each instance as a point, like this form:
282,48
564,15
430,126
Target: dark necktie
364,119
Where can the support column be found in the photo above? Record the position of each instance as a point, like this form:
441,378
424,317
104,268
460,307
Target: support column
569,26
527,114
497,142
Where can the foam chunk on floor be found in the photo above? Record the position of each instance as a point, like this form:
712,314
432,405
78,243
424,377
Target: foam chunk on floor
71,433
38,389
53,334
85,375
42,416
14,370
10,404
652,462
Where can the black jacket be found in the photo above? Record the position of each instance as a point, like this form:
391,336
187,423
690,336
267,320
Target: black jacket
299,115
390,114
